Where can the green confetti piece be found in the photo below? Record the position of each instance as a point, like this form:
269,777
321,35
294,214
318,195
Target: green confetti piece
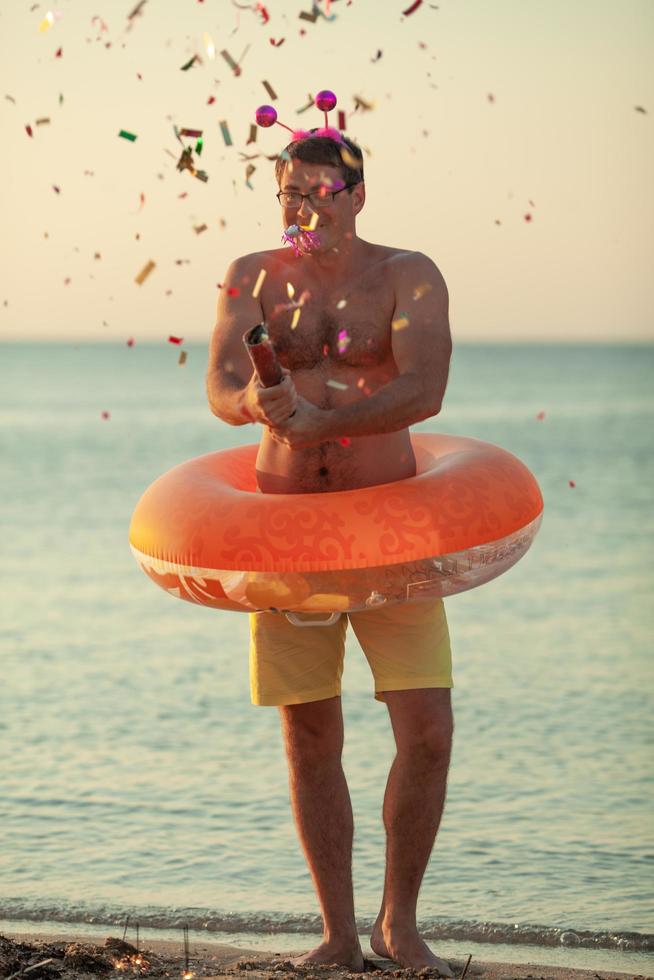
224,128
189,63
127,136
198,146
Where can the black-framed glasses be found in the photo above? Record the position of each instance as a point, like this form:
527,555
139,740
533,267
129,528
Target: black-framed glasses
317,199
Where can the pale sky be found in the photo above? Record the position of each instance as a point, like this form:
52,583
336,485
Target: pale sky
448,171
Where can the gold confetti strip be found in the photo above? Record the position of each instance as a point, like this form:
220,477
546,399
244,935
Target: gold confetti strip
360,103
349,159
336,384
269,89
42,122
312,17
47,22
290,289
252,138
259,283
421,290
145,272
304,108
342,303
314,221
182,357
210,47
400,322
198,229
296,317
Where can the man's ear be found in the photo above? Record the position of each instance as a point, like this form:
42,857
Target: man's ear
359,195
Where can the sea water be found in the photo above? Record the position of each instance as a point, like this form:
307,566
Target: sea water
136,778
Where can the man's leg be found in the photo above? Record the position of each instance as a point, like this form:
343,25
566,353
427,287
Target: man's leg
313,739
413,804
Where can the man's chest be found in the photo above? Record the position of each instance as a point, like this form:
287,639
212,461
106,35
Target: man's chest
350,326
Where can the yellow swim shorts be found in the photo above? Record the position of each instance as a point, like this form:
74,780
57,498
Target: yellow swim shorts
407,646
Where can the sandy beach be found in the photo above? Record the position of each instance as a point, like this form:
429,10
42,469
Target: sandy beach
74,956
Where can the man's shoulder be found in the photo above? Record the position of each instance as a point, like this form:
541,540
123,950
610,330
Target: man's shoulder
260,260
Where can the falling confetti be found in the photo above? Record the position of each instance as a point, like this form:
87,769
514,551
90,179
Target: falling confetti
225,131
105,415
421,290
344,340
209,46
198,229
47,22
540,416
28,130
175,340
130,342
269,89
230,61
277,44
296,317
190,132
571,483
341,120
252,138
145,272
259,283
342,303
344,441
182,357
412,8
400,322
233,291
312,17
127,136
377,56
189,63
336,384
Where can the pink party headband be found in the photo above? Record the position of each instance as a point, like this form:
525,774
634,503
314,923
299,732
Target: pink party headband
266,115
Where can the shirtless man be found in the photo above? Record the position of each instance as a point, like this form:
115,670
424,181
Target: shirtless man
390,368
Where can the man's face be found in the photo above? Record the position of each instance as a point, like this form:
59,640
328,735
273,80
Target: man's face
334,220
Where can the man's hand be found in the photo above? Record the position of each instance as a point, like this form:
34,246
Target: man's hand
306,428
271,405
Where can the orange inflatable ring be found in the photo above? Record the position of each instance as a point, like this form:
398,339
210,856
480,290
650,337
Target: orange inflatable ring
203,533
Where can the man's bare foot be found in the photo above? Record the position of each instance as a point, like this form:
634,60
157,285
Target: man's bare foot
406,948
349,956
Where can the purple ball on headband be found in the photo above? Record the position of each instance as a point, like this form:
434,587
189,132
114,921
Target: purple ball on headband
325,100
266,115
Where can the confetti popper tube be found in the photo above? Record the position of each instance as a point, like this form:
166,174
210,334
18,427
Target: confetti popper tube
145,272
224,128
263,355
270,90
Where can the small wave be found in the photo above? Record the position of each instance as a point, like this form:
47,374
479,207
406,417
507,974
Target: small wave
208,920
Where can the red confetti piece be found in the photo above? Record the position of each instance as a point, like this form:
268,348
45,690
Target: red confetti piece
325,350
175,340
540,416
57,189
28,130
233,291
264,13
412,8
139,76
341,120
571,483
344,441
59,53
105,415
211,100
527,217
130,342
277,44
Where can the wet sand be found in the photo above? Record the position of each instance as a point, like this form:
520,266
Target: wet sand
80,956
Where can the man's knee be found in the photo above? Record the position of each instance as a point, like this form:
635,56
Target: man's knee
313,732
423,723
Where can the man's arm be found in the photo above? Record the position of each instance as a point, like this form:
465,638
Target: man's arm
230,369
422,347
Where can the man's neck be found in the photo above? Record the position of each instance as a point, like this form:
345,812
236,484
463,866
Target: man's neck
337,263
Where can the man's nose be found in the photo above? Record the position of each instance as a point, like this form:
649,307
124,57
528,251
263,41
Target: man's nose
305,211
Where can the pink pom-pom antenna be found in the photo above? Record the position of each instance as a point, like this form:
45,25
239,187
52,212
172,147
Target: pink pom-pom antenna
266,116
